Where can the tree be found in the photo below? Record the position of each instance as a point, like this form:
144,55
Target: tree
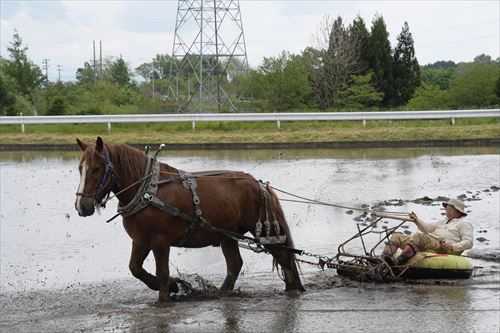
429,97
119,73
497,88
7,98
331,65
360,34
360,93
474,85
27,76
380,60
441,64
85,74
406,71
440,77
144,70
161,65
281,81
58,106
483,59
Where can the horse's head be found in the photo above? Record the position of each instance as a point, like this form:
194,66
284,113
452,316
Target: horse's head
97,177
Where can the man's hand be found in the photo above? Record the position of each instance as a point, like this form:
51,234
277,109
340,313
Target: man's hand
446,247
413,216
415,219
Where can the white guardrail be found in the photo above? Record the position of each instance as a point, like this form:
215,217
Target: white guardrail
275,117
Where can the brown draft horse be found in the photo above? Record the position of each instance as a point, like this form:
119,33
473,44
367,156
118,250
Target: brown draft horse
230,202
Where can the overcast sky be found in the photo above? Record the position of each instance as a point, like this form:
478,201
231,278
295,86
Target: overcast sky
63,31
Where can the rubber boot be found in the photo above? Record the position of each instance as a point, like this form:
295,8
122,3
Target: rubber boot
408,252
388,253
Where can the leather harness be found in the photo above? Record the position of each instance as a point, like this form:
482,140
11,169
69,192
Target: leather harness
148,195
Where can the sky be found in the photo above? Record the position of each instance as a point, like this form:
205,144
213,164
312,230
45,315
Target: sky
63,31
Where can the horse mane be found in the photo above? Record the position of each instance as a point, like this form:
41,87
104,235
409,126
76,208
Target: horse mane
128,159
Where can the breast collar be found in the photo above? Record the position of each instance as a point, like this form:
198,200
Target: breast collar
147,190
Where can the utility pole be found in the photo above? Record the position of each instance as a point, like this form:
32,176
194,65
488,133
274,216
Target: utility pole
45,63
209,44
100,60
153,77
95,72
59,73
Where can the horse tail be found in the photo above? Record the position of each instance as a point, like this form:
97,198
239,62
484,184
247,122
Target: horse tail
290,259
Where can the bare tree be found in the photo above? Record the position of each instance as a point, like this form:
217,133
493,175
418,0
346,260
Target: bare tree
332,61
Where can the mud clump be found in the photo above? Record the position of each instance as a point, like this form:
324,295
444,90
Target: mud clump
195,286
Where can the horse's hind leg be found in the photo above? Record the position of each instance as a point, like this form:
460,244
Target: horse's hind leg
139,254
287,262
234,262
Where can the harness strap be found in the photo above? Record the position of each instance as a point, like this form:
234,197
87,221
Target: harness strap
189,182
137,203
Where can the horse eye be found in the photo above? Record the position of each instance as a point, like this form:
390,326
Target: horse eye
95,169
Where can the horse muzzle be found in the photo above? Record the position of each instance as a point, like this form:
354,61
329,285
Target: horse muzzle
84,206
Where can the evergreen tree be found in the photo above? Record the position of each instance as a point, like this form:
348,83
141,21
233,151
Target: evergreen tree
380,58
360,93
406,71
360,34
27,76
119,73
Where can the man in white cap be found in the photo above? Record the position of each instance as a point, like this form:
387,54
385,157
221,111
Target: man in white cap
452,235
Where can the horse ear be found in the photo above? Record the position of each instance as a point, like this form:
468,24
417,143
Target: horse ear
82,144
99,144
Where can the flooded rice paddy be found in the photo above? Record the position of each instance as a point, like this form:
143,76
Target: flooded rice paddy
63,273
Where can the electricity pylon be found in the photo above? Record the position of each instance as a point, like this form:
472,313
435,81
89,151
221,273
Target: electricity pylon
208,55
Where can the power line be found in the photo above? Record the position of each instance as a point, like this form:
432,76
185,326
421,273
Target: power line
457,26
460,40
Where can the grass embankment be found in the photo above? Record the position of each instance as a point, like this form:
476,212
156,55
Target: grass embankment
258,132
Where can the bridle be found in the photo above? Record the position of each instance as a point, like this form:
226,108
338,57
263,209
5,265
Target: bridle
108,172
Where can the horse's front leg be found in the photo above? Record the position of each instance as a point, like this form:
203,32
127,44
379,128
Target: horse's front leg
161,252
139,254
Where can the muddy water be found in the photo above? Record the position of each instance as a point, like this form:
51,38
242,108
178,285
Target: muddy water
60,272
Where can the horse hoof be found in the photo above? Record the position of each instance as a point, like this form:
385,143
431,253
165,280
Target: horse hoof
163,299
161,304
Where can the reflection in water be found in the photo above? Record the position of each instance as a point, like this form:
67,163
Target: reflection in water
286,317
273,154
445,307
231,311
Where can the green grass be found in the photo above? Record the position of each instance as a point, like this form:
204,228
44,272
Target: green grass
258,132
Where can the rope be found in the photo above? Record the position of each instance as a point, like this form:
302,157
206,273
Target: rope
317,202
126,188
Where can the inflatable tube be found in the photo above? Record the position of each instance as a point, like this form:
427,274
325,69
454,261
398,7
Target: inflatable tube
429,265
